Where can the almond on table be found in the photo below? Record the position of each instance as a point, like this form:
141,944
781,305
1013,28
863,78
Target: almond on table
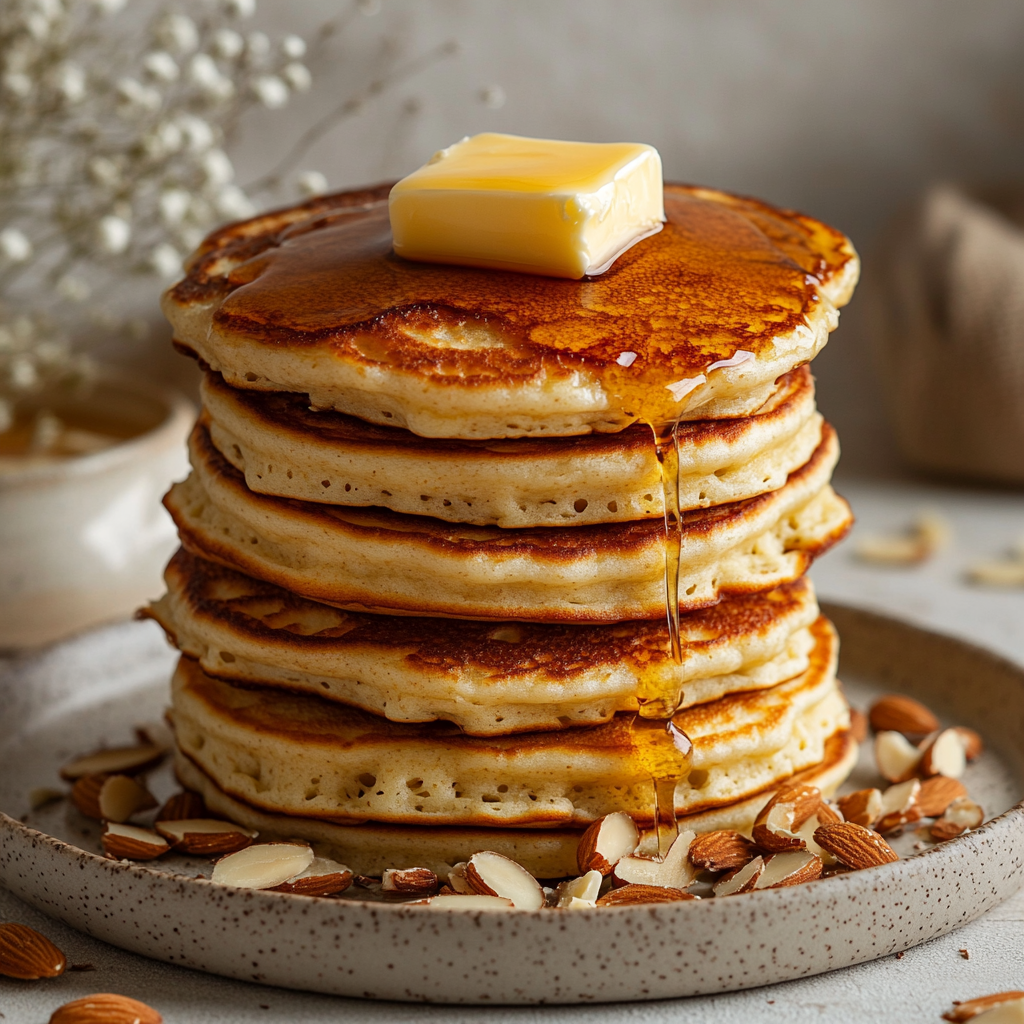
105,1008
27,955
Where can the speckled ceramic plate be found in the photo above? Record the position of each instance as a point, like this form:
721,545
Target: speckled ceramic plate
97,687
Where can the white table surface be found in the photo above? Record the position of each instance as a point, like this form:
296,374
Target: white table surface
919,985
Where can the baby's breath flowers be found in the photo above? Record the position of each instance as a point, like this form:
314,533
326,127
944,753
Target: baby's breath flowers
115,118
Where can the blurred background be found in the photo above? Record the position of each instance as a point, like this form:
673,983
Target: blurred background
849,111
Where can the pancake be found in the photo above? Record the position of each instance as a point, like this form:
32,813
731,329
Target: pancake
294,754
486,679
312,299
377,560
547,853
285,448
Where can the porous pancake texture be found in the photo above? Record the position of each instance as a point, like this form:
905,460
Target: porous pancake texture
285,448
294,754
488,679
312,299
377,560
369,848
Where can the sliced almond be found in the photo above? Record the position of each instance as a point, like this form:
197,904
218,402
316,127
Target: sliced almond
897,713
42,796
105,1008
793,868
127,842
741,880
457,879
962,814
27,955
776,826
937,793
323,877
998,1008
460,901
885,549
183,805
724,850
854,845
418,881
121,797
899,807
863,807
634,895
262,867
974,745
114,760
945,755
897,758
575,893
807,830
206,837
606,842
493,874
110,797
675,871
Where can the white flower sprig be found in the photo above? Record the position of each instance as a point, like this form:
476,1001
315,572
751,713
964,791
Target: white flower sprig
114,126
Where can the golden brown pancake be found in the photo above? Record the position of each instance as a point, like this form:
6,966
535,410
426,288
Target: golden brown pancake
290,753
312,299
488,679
547,853
285,448
377,560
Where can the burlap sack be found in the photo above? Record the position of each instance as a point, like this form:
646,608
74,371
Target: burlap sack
947,296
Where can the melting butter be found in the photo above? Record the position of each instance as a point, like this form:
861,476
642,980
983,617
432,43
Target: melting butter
541,206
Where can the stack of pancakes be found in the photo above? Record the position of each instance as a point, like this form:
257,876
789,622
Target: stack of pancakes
423,559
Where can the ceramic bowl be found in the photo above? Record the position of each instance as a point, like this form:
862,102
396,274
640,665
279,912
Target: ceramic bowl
84,540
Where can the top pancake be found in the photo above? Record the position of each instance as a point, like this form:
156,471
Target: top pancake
312,299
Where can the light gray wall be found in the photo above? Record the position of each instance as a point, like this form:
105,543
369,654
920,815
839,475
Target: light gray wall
842,108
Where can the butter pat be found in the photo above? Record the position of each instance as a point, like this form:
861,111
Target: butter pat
563,209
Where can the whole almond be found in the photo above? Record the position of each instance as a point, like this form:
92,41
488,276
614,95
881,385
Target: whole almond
105,1008
183,805
863,807
897,713
27,955
854,845
937,793
633,895
965,1011
724,850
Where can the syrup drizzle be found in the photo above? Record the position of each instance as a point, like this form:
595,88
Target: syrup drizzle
661,747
